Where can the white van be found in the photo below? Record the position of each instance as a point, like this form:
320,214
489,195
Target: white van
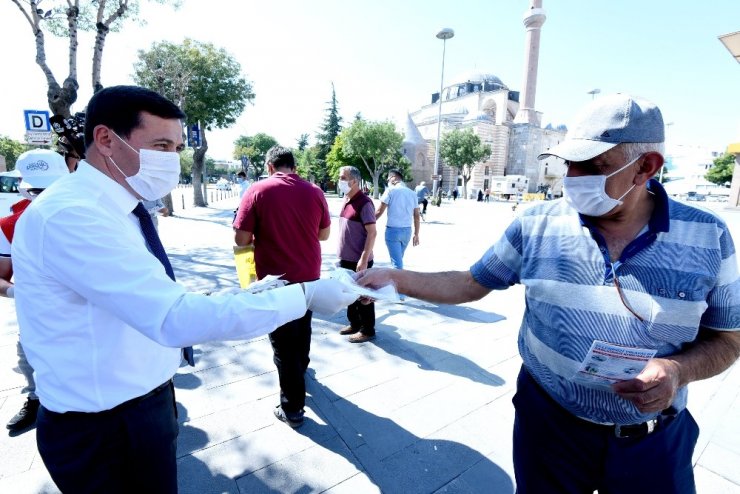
9,194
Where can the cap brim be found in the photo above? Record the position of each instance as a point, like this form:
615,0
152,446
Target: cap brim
578,149
37,183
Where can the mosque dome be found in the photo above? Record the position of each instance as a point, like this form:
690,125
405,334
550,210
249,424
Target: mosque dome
470,82
477,77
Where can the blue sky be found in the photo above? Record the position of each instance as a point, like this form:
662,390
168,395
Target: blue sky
384,59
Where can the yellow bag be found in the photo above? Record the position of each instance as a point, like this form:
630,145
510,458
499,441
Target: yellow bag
245,268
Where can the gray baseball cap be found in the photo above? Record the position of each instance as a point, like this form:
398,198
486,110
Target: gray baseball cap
606,122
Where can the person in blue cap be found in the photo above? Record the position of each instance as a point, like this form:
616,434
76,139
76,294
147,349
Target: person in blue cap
616,269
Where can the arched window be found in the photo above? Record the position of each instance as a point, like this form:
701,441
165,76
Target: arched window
489,108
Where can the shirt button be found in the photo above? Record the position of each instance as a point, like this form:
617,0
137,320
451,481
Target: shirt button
681,295
662,291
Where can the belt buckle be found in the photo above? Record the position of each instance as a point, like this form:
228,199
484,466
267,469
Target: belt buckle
636,430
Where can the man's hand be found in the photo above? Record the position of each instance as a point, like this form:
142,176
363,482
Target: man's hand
654,389
361,265
416,239
327,296
375,278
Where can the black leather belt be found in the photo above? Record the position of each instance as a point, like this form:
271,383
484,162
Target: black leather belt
133,401
138,399
636,430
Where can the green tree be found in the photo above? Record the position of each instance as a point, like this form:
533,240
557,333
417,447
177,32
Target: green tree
207,84
307,163
721,172
330,129
337,159
377,145
302,142
461,149
65,19
10,149
255,148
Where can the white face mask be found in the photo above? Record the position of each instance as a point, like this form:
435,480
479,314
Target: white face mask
344,186
587,194
159,172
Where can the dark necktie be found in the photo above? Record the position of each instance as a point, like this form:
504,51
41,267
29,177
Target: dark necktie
156,247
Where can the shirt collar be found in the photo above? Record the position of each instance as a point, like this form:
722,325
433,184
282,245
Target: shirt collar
106,187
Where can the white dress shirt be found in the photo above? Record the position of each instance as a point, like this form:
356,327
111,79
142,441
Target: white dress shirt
101,322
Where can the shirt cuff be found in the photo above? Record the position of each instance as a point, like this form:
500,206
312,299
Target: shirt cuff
292,303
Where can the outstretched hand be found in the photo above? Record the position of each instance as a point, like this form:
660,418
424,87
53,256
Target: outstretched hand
654,389
374,278
327,296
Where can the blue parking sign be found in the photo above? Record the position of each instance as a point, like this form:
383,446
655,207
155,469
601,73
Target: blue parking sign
37,120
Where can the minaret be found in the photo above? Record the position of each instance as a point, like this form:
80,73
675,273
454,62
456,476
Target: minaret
534,18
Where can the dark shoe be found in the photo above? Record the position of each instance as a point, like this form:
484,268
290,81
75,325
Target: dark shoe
25,417
294,420
361,338
349,330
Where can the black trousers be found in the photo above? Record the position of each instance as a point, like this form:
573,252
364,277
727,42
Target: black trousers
554,451
291,344
360,315
130,448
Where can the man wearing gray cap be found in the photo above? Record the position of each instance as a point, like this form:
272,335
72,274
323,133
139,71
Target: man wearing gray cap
630,296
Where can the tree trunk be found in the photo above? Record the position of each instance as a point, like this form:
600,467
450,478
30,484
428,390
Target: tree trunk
376,184
465,172
168,203
199,189
102,28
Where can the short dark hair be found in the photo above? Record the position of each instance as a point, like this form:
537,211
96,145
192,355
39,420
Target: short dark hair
241,174
120,107
395,172
280,157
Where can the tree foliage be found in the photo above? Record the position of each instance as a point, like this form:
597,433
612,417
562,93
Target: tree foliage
721,172
255,148
377,145
10,149
206,83
461,149
65,19
336,159
302,142
308,165
330,129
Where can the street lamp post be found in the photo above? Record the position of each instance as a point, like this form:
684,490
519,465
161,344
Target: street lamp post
593,92
444,35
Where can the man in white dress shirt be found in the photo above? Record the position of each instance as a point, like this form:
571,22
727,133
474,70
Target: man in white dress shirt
101,321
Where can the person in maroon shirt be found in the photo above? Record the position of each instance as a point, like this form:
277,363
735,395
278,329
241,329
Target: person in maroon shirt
357,234
286,217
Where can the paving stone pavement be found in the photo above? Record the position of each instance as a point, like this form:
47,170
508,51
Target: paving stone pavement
424,408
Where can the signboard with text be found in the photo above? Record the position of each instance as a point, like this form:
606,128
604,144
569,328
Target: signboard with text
38,128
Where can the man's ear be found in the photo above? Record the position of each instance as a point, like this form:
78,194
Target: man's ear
102,139
650,166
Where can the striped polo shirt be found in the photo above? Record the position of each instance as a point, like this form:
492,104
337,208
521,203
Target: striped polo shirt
678,274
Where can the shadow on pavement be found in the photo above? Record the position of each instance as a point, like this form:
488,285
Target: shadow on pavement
397,460
428,357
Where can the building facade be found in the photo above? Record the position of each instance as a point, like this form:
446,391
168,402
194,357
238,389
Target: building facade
483,103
